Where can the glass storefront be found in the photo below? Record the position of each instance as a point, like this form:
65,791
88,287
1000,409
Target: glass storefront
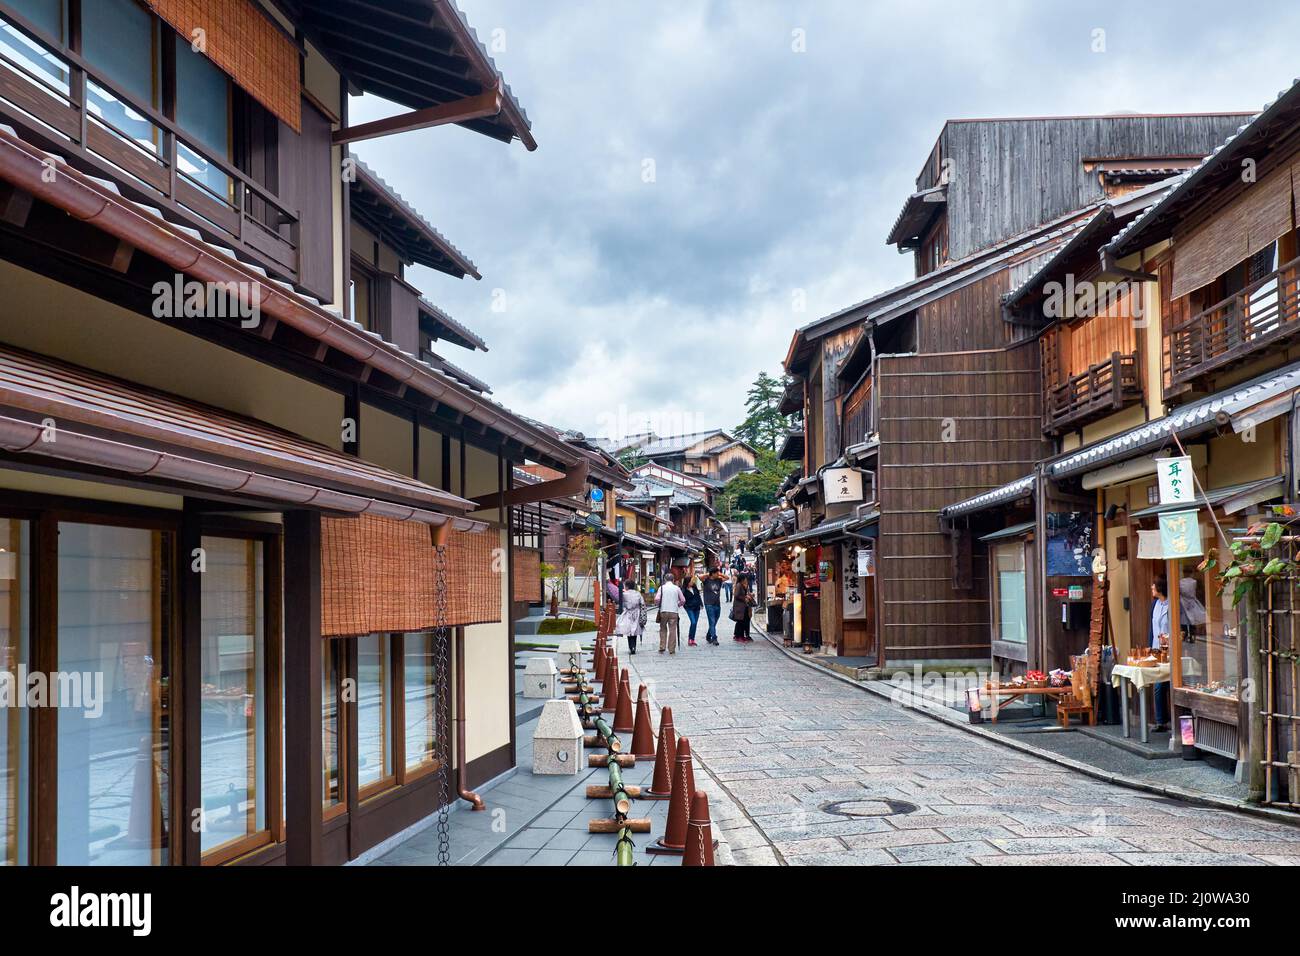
1210,651
421,700
15,639
114,629
1009,604
374,712
235,693
332,727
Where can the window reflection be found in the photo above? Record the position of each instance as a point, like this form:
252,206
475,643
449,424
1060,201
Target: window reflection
113,632
374,711
234,693
15,630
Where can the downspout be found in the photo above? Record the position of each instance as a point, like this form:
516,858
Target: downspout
462,790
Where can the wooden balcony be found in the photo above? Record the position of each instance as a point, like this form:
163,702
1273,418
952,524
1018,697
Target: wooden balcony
1240,328
1099,391
59,102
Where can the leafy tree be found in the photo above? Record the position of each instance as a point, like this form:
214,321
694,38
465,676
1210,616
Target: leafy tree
754,491
631,458
764,426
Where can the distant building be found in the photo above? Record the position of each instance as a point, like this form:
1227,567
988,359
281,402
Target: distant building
715,455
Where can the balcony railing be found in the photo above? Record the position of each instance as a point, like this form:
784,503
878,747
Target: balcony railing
857,415
1092,394
62,103
1241,326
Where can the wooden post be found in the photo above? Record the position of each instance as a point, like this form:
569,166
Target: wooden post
1252,695
189,682
302,687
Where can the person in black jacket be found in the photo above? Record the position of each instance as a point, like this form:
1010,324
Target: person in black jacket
694,602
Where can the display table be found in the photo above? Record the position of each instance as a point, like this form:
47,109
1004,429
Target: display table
1124,675
1011,693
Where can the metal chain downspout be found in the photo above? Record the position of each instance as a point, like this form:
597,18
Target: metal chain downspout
442,642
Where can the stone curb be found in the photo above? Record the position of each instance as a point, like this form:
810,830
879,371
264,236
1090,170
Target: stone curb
943,715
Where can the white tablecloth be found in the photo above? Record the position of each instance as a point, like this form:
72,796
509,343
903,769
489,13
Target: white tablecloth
1139,677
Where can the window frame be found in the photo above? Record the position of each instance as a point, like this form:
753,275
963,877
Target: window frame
272,625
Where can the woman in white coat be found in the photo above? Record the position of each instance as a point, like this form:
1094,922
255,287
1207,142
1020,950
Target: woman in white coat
631,620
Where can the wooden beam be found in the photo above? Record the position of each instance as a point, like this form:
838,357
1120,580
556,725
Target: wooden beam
571,483
15,204
487,103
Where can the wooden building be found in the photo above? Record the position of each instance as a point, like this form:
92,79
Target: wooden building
1191,349
929,391
237,473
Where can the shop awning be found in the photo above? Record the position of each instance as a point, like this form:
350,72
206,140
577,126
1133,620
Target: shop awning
56,410
1015,531
1011,491
831,530
648,544
1234,498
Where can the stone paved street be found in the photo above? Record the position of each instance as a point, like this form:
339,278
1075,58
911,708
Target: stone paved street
829,774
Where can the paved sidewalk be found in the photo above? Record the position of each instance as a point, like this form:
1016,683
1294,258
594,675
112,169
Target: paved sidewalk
542,820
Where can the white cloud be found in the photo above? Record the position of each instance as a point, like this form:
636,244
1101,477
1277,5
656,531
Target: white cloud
775,170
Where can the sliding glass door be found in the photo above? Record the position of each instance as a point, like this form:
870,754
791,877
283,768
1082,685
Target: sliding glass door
114,629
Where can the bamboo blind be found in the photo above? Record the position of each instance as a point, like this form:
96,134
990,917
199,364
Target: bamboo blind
1255,218
528,575
245,45
379,575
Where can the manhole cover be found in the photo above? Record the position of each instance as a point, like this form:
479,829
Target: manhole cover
869,808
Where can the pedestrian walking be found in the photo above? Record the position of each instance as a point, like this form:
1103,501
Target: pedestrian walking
670,603
712,591
728,582
694,601
614,593
742,610
631,619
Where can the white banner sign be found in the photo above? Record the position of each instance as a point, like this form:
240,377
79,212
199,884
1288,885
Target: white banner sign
1176,482
853,593
841,484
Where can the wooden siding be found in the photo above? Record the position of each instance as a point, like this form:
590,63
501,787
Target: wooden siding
1009,175
989,402
970,318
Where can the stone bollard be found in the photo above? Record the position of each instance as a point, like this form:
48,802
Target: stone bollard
569,646
557,741
541,678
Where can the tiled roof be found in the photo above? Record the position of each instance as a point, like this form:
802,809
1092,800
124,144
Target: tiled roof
990,499
1126,240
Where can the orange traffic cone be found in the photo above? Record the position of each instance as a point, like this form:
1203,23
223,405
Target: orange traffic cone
661,786
609,689
679,804
609,675
598,659
643,733
623,711
699,833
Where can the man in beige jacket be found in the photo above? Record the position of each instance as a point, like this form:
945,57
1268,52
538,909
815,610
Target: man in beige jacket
671,600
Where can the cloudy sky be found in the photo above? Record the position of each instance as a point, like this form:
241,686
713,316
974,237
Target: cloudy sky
714,173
